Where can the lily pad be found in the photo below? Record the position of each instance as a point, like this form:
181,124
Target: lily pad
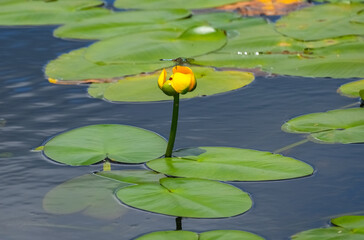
120,23
185,197
352,89
158,4
211,235
94,143
322,21
24,12
149,47
74,67
230,164
94,195
336,126
348,228
255,44
144,88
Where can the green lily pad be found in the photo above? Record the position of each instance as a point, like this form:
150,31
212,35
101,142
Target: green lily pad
149,47
120,23
351,89
255,44
93,195
230,164
74,67
158,4
94,143
211,235
322,21
336,126
348,228
168,235
144,87
24,12
185,197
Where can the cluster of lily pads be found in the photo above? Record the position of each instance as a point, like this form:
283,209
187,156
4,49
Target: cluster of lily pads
123,65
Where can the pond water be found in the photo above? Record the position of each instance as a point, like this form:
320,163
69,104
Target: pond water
250,117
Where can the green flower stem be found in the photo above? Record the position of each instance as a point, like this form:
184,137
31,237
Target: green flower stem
178,223
172,134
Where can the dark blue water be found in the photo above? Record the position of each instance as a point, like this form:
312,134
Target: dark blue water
247,118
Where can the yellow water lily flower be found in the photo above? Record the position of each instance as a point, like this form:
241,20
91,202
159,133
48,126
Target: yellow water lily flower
182,81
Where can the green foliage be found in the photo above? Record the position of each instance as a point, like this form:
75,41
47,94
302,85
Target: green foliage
336,126
211,235
158,4
94,143
230,164
185,197
348,228
352,89
143,87
322,21
24,12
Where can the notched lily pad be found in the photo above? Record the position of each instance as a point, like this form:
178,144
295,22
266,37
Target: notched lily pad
346,227
336,126
24,12
144,87
352,89
94,143
186,197
211,235
230,164
94,195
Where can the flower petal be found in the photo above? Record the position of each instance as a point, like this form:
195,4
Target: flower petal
162,78
182,69
181,82
168,88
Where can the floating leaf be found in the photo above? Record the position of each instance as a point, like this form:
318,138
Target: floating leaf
94,143
149,47
322,21
256,44
93,195
158,4
73,67
24,12
230,164
336,126
352,89
144,87
349,228
120,23
185,197
168,235
211,235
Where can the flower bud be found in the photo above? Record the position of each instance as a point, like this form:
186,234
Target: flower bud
182,81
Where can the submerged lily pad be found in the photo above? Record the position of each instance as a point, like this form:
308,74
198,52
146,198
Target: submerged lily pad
160,4
211,235
352,89
348,228
336,126
322,21
149,47
186,197
230,164
144,88
93,195
24,12
120,23
94,143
